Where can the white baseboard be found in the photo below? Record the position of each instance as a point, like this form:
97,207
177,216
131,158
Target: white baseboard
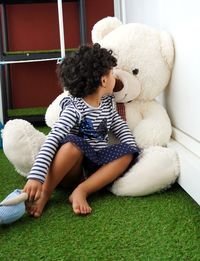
189,178
187,141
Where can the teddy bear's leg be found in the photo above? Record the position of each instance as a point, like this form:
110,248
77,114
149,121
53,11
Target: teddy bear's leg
21,143
156,169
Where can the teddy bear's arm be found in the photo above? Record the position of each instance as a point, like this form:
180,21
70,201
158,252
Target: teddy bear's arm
121,131
154,128
54,109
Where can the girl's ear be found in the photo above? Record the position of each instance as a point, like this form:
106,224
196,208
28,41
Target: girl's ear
103,81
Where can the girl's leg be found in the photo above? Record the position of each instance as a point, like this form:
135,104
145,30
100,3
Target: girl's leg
102,177
67,162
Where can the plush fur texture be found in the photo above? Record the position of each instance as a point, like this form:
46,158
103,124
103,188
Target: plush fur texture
151,52
21,143
156,170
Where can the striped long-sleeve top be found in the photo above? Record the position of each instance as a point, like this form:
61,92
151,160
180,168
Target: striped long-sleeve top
79,118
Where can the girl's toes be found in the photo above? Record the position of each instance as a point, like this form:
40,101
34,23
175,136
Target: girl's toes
76,209
37,214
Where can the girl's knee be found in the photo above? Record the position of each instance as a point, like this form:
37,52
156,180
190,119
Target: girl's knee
72,149
129,157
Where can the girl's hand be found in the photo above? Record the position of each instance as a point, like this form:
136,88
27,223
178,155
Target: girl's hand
33,188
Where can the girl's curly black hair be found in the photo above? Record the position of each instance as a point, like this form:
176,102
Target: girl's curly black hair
80,72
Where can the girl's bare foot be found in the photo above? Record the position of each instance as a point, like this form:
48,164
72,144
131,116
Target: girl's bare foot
35,208
79,202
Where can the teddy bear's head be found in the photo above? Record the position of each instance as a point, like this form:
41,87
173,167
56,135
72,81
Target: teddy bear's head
145,57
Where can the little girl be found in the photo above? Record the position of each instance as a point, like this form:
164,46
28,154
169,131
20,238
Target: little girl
78,142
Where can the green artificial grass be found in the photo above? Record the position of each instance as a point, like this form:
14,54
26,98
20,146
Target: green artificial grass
27,112
162,226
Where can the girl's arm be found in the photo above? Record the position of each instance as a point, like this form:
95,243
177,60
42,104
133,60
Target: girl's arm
121,130
46,154
36,177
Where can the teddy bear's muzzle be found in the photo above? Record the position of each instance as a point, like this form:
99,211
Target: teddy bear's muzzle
127,86
118,86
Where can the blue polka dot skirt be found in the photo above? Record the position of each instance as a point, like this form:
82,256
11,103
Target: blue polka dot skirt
95,159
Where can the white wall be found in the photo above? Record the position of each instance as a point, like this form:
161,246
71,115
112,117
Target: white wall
182,19
143,11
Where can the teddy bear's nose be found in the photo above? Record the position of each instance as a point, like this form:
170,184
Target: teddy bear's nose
118,86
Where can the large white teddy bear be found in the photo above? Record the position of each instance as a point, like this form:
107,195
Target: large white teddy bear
145,61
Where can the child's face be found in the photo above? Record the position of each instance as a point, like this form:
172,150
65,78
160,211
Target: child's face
109,82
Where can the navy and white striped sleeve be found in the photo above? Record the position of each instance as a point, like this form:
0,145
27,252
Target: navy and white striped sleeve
121,130
62,127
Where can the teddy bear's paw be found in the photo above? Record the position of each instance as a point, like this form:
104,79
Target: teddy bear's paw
21,143
156,170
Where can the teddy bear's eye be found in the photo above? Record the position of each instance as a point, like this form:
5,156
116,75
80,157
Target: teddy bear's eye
135,71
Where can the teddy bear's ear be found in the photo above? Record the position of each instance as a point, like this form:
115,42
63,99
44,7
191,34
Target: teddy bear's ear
167,48
104,27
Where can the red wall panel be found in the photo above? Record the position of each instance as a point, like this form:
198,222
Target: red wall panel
35,27
96,10
34,84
